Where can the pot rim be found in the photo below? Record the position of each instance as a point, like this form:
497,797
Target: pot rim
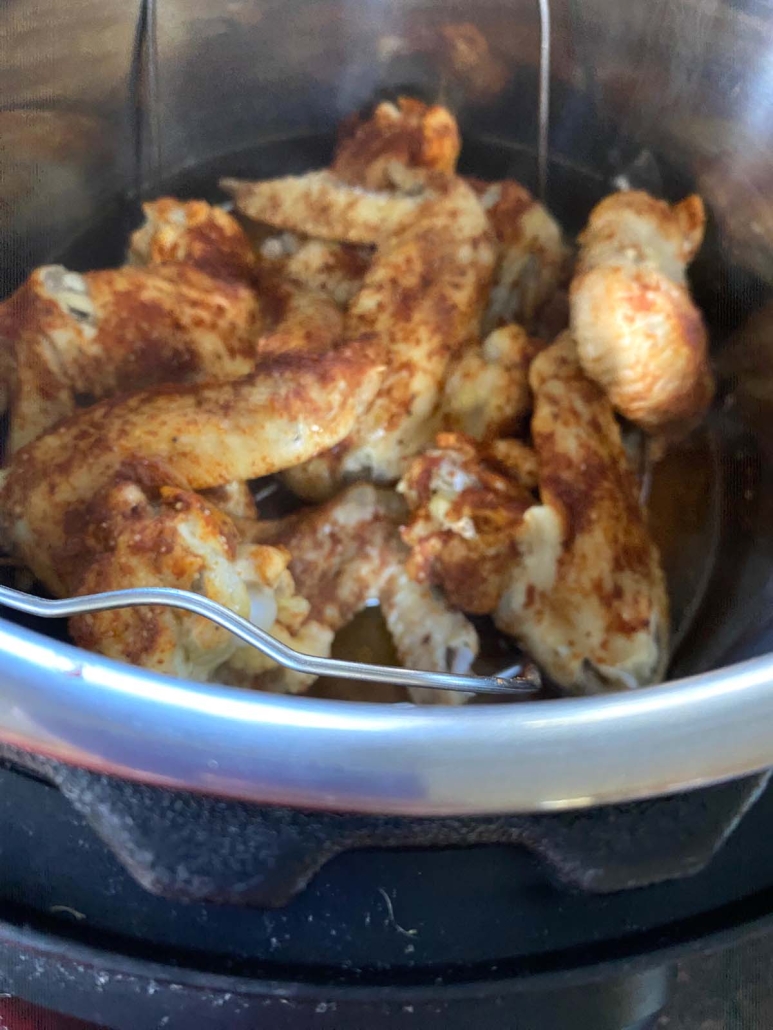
86,710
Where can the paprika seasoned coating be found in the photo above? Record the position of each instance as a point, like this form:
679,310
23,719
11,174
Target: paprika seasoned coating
576,578
195,233
639,334
466,511
409,134
286,410
422,298
81,337
174,538
588,597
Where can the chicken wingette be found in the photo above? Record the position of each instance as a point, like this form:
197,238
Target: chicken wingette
639,333
422,298
575,578
285,411
75,338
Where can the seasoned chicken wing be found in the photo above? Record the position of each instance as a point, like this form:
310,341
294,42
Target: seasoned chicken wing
335,269
486,393
193,233
348,553
285,411
422,298
408,134
169,537
639,334
466,510
76,337
576,579
587,599
532,257
319,204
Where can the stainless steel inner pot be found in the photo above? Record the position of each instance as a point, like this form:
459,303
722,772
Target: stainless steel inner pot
670,96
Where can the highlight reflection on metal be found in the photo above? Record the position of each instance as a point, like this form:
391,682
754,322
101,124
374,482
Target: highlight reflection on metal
517,681
543,109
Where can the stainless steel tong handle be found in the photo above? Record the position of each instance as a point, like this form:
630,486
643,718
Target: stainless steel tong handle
517,680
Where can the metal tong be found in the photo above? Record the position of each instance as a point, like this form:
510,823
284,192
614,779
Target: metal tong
517,679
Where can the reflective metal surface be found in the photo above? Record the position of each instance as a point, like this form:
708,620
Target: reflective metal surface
669,95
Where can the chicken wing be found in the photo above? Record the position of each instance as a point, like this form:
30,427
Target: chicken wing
346,554
639,334
193,233
465,515
486,393
422,298
409,134
174,538
298,320
334,269
285,411
318,204
576,579
587,598
76,337
532,257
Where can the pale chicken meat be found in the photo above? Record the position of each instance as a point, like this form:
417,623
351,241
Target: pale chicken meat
76,338
639,333
422,299
575,578
288,409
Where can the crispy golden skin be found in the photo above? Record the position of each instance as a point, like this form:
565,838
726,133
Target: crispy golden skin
285,411
194,233
347,553
532,257
409,133
318,204
486,393
76,337
638,332
576,579
422,298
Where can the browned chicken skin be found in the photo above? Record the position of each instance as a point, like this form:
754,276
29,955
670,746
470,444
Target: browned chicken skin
196,233
409,133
